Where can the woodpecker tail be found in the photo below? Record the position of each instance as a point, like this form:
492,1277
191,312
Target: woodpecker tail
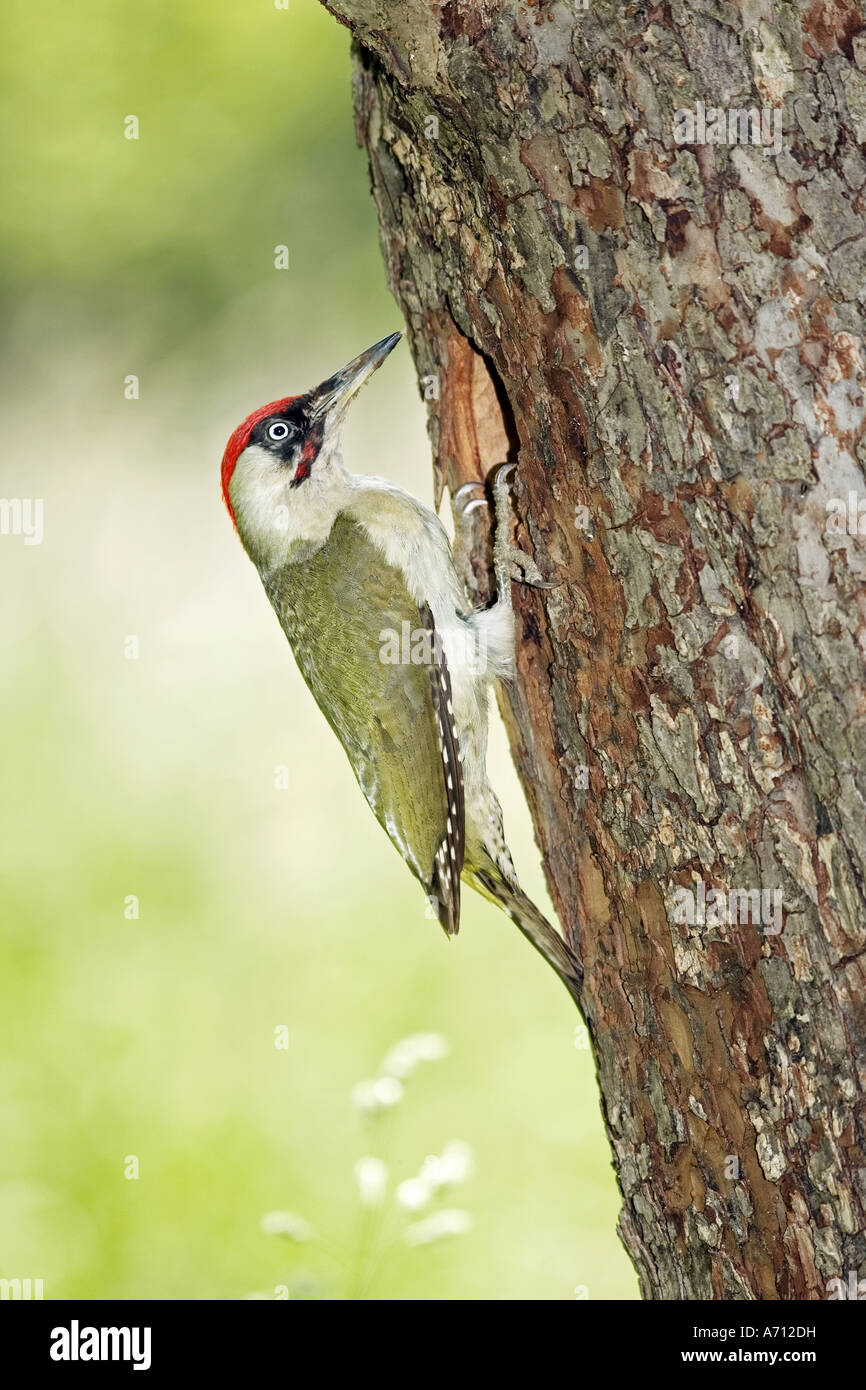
510,897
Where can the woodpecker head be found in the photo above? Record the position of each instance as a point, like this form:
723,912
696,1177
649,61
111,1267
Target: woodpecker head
282,470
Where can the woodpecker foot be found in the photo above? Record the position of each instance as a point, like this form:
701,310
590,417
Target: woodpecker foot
469,534
509,562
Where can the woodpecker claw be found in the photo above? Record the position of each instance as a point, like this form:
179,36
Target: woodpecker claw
525,570
509,561
467,498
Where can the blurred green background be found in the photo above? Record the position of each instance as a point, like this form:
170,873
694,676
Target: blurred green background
259,907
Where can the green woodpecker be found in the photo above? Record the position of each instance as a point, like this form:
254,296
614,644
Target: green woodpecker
362,579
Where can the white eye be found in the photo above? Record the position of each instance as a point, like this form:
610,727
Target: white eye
277,431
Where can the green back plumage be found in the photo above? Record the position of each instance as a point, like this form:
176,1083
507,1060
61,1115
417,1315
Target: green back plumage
334,607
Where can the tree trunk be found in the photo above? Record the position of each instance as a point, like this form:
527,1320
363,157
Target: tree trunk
600,276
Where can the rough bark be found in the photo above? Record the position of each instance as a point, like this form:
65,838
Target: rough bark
670,336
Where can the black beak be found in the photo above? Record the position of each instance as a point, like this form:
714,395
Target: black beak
335,394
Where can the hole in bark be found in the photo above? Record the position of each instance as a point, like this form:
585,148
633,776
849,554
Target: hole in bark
476,418
509,425
478,431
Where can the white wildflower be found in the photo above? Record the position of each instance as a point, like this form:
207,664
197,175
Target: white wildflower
452,1166
286,1224
409,1052
414,1194
448,1222
371,1097
371,1175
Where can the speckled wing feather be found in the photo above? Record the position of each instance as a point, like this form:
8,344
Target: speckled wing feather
344,609
448,863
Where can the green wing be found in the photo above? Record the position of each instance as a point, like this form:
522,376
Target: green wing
347,614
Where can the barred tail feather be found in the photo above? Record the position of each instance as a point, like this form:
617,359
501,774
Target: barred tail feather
510,897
